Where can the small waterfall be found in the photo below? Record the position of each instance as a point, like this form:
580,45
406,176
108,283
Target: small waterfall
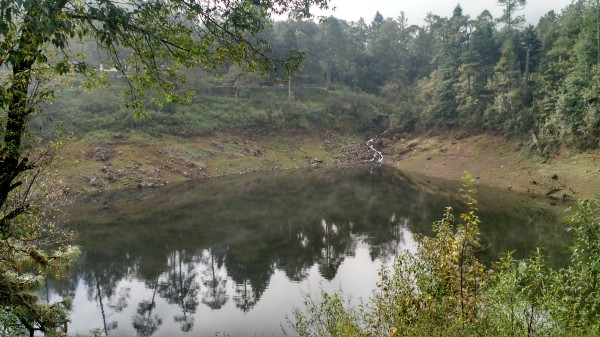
377,155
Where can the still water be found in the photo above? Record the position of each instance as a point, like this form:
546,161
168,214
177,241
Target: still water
234,255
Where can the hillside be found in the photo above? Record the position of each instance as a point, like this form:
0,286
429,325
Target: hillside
222,132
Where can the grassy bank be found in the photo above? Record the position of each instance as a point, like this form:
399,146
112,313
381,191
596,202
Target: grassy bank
101,161
260,110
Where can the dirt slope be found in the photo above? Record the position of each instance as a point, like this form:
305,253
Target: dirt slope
108,161
496,162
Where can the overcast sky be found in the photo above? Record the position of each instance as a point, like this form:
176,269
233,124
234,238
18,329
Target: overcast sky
416,10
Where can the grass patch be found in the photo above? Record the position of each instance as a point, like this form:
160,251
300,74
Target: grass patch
258,110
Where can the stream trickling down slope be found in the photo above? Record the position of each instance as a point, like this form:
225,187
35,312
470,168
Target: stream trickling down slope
377,155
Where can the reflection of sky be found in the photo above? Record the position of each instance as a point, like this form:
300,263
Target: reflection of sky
360,207
357,275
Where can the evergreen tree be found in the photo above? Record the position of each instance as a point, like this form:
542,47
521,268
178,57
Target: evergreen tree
508,98
452,36
510,7
333,40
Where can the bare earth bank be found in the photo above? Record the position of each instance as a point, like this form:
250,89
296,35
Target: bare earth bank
103,161
497,162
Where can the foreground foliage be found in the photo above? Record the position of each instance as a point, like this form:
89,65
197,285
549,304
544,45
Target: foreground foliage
443,290
148,44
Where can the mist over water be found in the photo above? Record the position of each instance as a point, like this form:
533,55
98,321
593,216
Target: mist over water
234,254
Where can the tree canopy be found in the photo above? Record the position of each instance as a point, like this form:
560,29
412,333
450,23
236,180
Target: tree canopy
146,41
477,73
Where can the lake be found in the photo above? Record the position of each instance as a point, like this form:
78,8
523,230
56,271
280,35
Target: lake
233,255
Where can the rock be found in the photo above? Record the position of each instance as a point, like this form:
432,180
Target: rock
316,163
156,183
110,176
566,197
554,176
101,154
404,151
94,180
553,190
412,145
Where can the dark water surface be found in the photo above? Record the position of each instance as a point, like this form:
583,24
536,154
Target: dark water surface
234,254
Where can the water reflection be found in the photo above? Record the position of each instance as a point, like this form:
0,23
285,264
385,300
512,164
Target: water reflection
198,258
215,293
145,322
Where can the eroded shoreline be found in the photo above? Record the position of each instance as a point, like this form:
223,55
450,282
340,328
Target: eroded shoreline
131,160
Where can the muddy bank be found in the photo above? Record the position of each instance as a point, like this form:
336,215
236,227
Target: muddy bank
499,163
132,160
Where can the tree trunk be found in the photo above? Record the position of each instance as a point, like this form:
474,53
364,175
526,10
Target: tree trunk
17,113
527,62
598,30
289,86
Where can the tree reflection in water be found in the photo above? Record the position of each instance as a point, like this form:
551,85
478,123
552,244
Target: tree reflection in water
245,297
143,322
219,243
396,240
108,299
335,243
215,292
181,287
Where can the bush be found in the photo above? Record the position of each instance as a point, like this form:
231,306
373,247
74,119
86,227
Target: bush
443,290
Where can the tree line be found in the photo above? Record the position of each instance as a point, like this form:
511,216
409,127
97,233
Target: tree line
476,73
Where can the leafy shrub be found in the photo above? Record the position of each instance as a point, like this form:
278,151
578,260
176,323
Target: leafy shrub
443,290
